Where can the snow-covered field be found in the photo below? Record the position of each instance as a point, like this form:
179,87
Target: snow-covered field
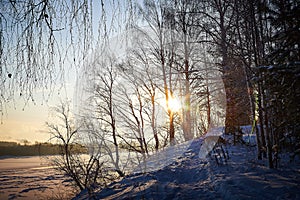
194,176
32,178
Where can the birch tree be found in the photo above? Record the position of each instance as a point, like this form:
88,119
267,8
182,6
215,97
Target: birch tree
99,110
83,172
153,14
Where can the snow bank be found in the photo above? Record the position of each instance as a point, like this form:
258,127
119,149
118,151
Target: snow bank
210,140
162,158
169,155
181,173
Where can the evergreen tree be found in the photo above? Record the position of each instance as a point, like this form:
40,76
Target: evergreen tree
284,17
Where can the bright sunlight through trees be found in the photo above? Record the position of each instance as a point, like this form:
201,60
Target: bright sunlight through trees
174,104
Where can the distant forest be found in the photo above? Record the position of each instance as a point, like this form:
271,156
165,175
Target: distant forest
37,149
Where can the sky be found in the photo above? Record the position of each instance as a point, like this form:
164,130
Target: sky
28,122
21,122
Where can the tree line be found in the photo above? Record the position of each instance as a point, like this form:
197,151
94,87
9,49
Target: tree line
37,149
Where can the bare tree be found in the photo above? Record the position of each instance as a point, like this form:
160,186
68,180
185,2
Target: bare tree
141,68
218,22
84,172
162,50
181,17
134,123
101,115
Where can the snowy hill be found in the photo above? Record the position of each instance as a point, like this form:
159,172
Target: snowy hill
190,176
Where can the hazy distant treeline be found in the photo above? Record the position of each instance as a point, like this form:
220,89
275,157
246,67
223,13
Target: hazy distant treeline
37,149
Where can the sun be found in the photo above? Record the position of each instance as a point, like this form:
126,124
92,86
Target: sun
174,104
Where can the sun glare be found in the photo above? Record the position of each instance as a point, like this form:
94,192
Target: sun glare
174,104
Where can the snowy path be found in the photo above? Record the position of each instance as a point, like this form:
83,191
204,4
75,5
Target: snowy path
246,178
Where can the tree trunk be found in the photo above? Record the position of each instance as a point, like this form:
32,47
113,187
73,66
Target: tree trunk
238,105
172,128
153,125
187,129
261,120
234,79
208,107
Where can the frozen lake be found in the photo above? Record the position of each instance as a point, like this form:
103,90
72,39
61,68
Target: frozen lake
32,178
7,163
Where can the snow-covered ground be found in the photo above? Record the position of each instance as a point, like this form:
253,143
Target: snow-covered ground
170,154
184,171
189,175
32,178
